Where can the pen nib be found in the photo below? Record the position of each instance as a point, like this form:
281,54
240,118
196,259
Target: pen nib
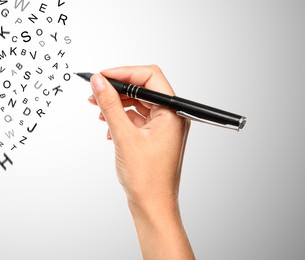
84,75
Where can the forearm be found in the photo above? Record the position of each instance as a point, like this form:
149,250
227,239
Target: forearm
160,231
149,144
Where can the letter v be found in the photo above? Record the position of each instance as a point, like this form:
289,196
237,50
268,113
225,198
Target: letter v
60,4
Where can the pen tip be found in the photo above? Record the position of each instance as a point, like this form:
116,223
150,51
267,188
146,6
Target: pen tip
85,75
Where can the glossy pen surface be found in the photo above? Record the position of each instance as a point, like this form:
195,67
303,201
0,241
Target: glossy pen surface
183,107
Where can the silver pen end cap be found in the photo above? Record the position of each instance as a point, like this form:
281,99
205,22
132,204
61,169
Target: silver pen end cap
242,122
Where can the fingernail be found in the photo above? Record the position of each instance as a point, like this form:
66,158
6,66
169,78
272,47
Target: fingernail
98,83
101,117
91,99
109,135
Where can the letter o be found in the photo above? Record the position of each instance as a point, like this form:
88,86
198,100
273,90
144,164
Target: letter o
5,83
39,32
8,119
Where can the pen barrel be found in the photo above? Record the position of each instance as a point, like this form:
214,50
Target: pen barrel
183,107
205,112
141,93
152,96
118,85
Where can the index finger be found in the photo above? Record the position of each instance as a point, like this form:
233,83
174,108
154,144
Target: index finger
150,77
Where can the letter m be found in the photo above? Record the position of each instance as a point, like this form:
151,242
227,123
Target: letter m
22,4
3,55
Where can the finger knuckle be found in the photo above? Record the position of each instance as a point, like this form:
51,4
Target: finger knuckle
155,68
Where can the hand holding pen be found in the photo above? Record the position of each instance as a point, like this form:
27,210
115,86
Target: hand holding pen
183,107
149,148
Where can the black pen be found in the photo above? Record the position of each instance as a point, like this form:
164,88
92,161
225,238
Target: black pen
183,107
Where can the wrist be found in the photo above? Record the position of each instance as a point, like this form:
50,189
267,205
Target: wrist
160,231
155,210
153,204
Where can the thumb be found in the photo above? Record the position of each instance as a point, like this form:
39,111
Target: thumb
110,103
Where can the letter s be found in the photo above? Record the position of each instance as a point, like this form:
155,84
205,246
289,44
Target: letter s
26,37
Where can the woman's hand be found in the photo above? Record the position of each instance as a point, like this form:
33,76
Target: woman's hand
149,146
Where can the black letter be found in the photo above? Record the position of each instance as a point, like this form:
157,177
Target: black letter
40,112
57,89
3,2
12,102
22,141
59,3
5,85
33,128
25,35
54,36
63,18
3,32
34,17
7,159
13,51
42,8
27,75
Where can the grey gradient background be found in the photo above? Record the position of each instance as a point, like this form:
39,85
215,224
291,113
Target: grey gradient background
242,194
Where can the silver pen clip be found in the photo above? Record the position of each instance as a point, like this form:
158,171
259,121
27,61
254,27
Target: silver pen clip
237,128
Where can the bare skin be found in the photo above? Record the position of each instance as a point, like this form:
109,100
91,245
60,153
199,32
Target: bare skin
149,146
